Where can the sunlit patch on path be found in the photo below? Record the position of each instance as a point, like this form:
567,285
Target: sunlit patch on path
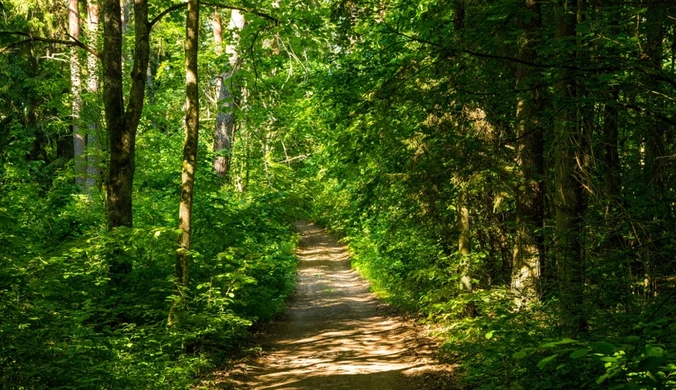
338,335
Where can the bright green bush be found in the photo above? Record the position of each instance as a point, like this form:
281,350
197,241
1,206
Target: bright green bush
67,325
504,346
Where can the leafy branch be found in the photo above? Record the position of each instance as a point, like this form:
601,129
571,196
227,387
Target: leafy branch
175,7
31,38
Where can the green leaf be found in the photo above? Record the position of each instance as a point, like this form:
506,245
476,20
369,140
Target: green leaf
579,353
603,347
520,355
489,335
653,351
544,362
601,379
651,363
553,344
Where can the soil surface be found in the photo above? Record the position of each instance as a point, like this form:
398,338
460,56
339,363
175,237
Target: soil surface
337,335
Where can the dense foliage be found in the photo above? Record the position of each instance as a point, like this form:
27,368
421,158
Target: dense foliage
443,121
65,325
67,321
504,168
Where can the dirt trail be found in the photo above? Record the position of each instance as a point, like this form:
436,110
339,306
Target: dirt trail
338,335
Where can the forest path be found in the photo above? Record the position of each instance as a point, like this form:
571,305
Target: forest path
338,335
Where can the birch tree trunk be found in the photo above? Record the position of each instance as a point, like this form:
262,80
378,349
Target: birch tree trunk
189,157
76,88
224,130
93,147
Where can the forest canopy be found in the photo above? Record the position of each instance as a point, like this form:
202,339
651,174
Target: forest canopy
504,170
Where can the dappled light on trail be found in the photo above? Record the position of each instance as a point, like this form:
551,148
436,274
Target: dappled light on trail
338,335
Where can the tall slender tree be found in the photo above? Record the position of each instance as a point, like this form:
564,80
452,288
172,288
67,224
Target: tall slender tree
655,129
570,198
528,257
462,201
76,92
224,131
189,156
93,147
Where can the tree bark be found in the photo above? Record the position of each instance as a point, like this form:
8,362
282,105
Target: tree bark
459,15
217,28
464,244
189,158
610,140
224,130
655,129
570,198
528,255
126,7
462,210
464,250
76,89
655,132
122,123
93,147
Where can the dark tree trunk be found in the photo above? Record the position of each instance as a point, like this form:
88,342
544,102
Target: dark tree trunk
118,202
655,129
570,199
528,256
122,124
656,160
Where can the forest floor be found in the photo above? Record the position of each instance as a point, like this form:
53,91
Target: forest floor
336,334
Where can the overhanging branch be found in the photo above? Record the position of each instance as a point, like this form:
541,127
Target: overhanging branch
31,38
654,73
165,12
245,10
175,7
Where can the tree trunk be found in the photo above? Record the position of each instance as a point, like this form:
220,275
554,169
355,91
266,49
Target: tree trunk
655,128
464,249
224,130
655,139
217,28
93,147
610,140
118,201
462,199
459,15
76,87
464,244
122,123
528,256
570,198
189,157
126,7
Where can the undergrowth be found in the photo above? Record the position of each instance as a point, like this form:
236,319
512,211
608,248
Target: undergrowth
502,346
66,325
